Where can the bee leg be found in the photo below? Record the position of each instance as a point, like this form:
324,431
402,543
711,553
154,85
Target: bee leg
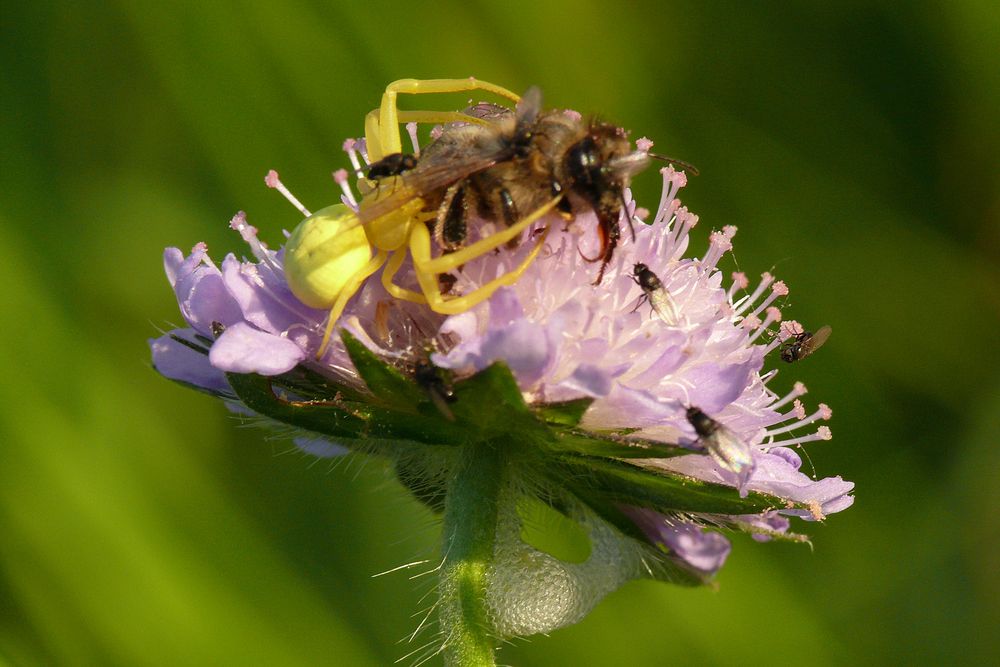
382,124
450,226
350,289
609,238
508,212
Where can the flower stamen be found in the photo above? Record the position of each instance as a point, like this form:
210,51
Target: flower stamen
773,315
411,129
799,389
765,280
823,413
341,177
350,147
274,182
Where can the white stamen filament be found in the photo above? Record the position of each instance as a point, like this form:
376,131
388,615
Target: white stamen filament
352,155
744,303
822,433
798,390
777,289
340,177
773,315
273,181
411,129
362,147
822,413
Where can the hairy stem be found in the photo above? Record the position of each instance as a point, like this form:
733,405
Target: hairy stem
470,522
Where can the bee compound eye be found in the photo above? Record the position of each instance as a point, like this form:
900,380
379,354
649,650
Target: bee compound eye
583,164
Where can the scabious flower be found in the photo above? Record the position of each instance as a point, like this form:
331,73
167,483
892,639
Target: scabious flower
582,398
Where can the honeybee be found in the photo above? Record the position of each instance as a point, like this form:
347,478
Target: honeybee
803,343
508,166
513,165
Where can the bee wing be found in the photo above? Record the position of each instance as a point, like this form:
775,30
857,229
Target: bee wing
818,338
529,107
439,171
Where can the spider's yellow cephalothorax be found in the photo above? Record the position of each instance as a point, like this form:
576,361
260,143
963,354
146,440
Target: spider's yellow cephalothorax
330,254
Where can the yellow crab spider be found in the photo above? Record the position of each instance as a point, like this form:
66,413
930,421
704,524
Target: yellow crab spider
329,255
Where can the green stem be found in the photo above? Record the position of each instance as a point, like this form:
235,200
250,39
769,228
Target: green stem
470,521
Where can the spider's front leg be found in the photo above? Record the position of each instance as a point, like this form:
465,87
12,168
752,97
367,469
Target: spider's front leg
382,125
428,269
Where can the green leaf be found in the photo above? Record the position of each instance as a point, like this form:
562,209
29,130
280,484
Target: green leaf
310,385
594,444
491,405
382,379
257,393
349,422
566,413
609,511
659,490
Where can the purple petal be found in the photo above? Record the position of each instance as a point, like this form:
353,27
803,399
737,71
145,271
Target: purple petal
523,345
630,408
674,354
590,380
465,326
243,349
714,386
701,549
176,265
504,308
269,307
769,523
177,361
201,295
777,473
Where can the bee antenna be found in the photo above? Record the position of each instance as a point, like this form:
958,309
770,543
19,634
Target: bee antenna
681,163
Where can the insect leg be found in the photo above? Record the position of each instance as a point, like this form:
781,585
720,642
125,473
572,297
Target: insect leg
395,261
349,290
388,118
450,227
422,254
438,117
461,304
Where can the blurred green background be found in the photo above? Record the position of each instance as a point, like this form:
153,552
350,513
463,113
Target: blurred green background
854,145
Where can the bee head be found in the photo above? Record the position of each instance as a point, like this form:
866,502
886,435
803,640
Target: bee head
601,163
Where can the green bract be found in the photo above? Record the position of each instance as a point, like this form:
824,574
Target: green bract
486,464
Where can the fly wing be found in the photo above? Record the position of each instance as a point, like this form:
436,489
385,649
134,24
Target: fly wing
664,306
818,338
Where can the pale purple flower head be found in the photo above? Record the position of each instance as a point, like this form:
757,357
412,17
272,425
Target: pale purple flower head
646,357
